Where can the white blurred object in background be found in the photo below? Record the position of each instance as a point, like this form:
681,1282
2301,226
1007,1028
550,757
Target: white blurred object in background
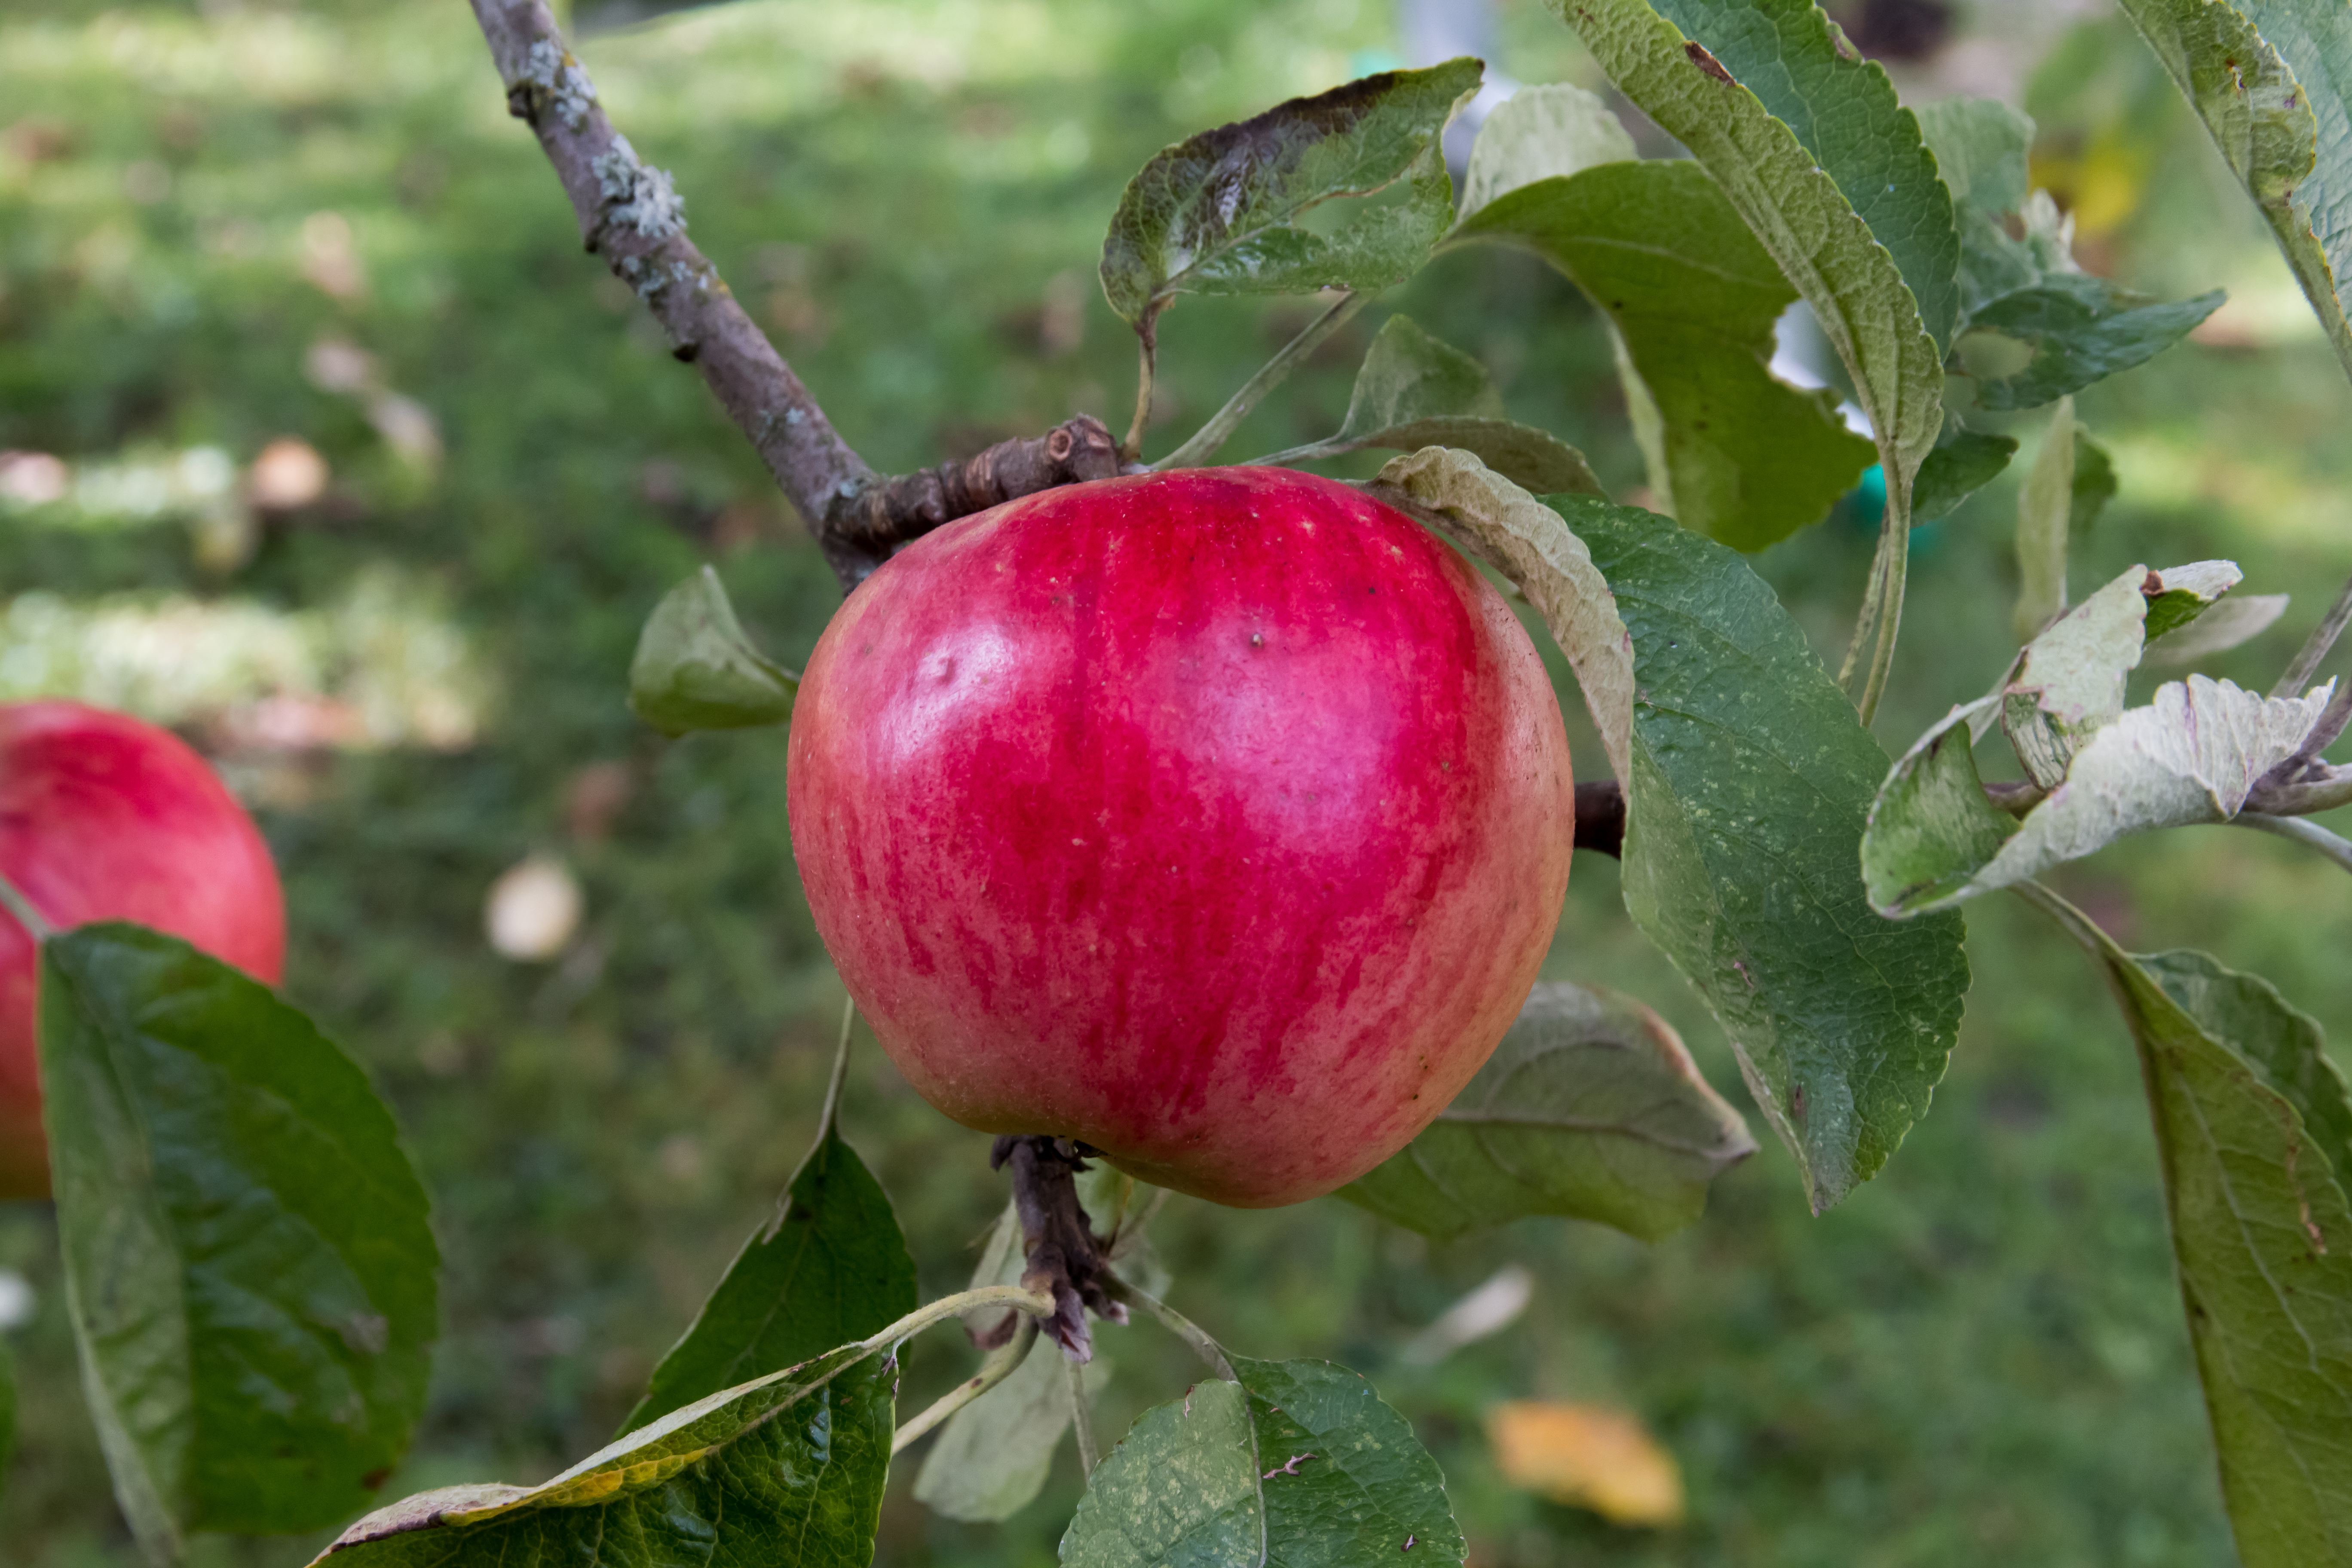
1489,1310
533,909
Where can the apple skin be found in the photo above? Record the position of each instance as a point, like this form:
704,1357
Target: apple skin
1218,819
103,816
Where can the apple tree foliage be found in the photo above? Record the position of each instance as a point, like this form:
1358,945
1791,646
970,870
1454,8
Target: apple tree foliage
251,1277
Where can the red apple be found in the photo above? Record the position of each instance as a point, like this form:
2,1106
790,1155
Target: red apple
1218,819
105,817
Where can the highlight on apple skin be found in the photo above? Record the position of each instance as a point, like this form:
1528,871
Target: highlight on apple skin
1218,819
104,816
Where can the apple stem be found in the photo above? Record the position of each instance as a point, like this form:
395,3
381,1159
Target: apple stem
840,1071
1177,1323
1001,1363
27,915
1065,1258
1273,374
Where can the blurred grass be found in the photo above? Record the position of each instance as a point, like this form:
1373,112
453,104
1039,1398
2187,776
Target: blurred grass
1979,1357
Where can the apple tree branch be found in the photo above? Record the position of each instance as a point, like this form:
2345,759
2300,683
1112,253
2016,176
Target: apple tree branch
631,215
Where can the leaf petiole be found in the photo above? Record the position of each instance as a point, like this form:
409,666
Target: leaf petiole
2323,638
1001,1363
2310,834
1213,435
1082,1420
1183,1327
18,905
1032,1303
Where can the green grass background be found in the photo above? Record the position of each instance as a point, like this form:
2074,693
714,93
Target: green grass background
1979,1358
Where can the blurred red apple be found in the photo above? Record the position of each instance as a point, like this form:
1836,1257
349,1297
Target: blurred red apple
105,817
1218,819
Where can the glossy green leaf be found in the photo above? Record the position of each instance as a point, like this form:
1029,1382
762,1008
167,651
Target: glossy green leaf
1541,132
829,1267
1963,462
1743,456
1590,1107
1299,1465
2081,330
1751,778
1843,111
785,1472
1219,213
1797,211
2251,1122
696,669
2267,120
1414,391
248,1265
1528,543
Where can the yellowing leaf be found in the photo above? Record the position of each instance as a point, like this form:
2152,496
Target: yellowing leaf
1587,1455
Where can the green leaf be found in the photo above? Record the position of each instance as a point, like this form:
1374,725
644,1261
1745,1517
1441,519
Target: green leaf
2191,756
1843,109
993,1456
2045,510
829,1267
2069,683
2235,620
1300,1465
1538,133
2081,330
1963,463
1590,1107
2095,483
1866,311
1371,1485
2251,1122
1218,214
1751,777
2314,39
1981,148
1934,840
248,1270
1743,456
785,1472
2284,132
1527,543
1181,1488
1414,391
7,1409
696,669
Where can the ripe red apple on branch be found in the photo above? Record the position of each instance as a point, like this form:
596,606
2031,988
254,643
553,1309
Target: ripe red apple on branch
1218,819
105,817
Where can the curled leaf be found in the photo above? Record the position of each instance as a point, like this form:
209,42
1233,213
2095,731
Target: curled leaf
1414,391
1527,543
1538,133
696,669
1590,1107
1218,213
